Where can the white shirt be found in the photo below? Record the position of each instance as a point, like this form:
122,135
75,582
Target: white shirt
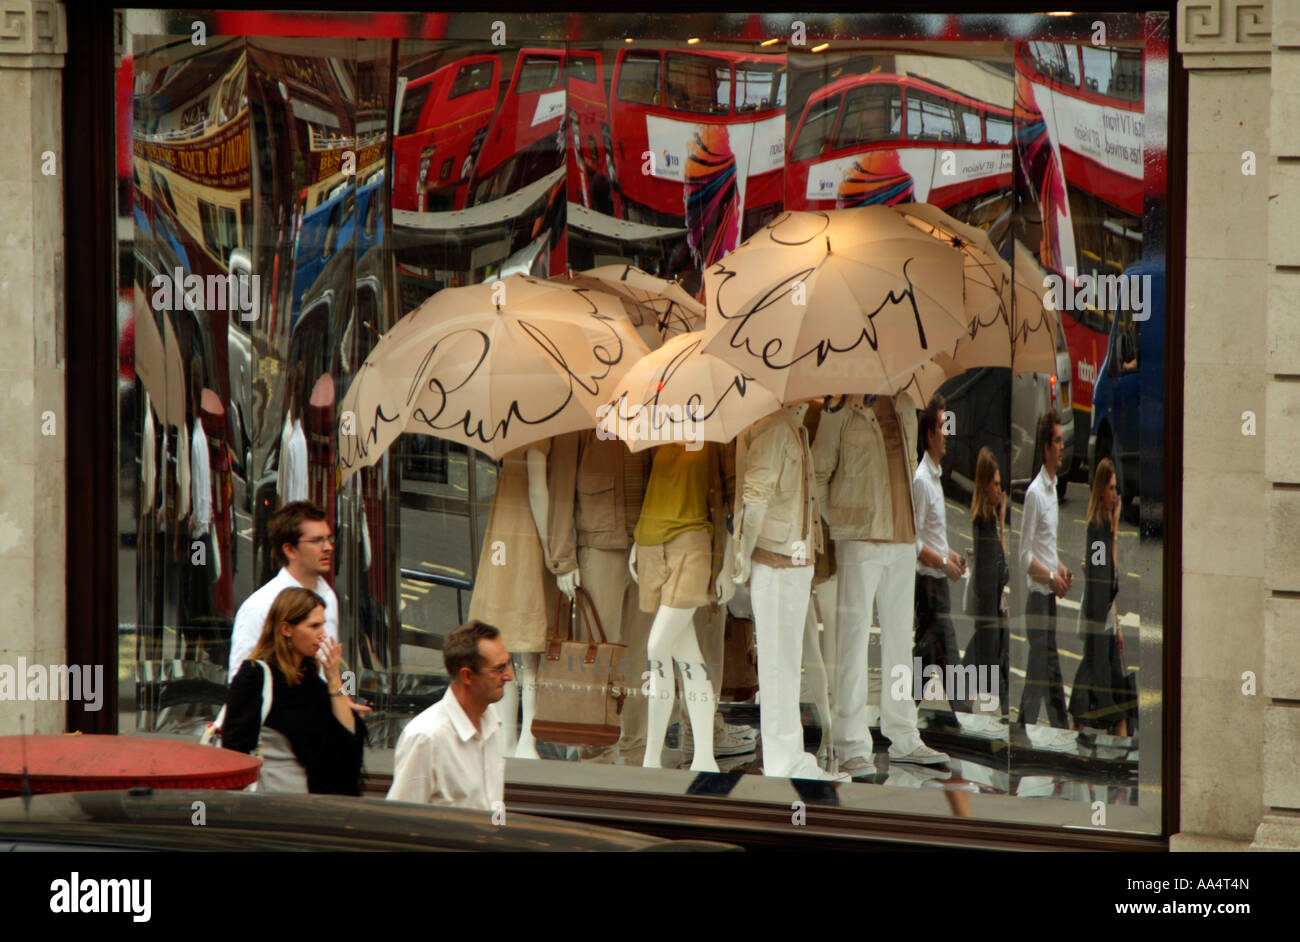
200,482
1038,529
294,460
252,615
929,514
442,759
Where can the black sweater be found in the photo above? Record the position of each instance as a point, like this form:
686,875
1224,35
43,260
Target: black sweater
1101,582
990,567
303,713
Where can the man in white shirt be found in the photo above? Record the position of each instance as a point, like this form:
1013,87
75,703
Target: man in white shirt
304,547
451,754
936,562
1047,579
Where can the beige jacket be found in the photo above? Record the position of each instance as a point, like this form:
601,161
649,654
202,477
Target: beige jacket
775,468
587,502
852,480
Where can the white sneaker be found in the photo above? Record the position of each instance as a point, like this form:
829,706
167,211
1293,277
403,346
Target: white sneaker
858,764
731,740
821,775
922,755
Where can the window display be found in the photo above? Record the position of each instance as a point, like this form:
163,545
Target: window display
582,322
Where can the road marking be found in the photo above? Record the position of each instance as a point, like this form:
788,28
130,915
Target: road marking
422,589
1133,575
451,569
413,598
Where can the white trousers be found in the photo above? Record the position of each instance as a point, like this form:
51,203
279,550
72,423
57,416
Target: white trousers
884,573
780,601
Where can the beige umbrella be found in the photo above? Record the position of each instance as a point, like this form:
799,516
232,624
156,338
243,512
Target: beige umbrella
988,287
496,366
153,363
659,309
680,393
841,301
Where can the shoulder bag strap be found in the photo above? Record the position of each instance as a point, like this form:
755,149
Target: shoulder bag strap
266,689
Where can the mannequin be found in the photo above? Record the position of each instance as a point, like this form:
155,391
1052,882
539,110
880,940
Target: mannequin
865,457
595,489
775,548
672,543
510,590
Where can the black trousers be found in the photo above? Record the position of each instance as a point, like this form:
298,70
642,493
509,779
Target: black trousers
935,641
1043,679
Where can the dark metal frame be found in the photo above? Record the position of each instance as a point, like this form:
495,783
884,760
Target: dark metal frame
91,429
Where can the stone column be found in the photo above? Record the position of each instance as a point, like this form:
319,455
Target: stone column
33,40
1280,827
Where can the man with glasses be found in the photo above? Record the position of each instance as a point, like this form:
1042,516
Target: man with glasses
451,754
302,544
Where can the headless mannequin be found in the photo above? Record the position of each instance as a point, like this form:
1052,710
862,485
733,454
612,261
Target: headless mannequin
752,524
522,745
673,640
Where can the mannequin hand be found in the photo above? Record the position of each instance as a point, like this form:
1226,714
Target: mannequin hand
724,588
742,569
631,564
568,581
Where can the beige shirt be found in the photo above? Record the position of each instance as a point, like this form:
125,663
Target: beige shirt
864,469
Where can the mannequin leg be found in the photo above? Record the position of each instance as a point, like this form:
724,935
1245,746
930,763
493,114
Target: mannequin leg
815,675
896,596
701,703
526,679
858,576
668,626
780,599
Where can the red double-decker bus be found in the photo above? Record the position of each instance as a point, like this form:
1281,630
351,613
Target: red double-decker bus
1079,129
887,138
679,138
462,141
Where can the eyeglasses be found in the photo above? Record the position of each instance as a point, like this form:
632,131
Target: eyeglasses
319,541
496,671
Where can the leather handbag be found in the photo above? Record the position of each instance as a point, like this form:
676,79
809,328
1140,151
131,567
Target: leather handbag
739,660
580,690
281,771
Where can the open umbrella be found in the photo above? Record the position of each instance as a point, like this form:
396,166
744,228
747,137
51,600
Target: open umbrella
680,393
496,366
658,308
841,301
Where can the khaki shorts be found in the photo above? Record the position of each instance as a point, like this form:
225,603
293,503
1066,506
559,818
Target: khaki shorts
676,573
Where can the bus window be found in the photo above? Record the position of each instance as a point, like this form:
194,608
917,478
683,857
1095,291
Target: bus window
638,80
698,84
581,67
246,222
871,113
412,106
970,125
1056,61
538,73
760,86
816,130
229,233
208,222
997,129
1116,73
930,118
473,77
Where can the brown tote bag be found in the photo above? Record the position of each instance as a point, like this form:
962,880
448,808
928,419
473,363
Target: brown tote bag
580,689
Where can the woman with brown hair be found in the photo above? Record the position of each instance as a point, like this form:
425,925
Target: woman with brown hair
310,741
1100,695
990,645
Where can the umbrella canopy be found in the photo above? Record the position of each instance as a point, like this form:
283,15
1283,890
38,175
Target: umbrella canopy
658,308
157,363
496,366
989,289
680,393
842,301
